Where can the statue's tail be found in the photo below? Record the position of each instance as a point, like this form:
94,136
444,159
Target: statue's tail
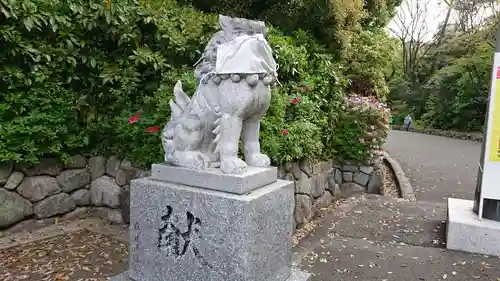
177,108
181,102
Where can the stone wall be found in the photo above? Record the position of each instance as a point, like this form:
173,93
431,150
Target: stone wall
99,186
317,185
96,185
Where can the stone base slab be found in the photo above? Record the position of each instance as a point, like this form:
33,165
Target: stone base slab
214,179
465,232
184,233
297,275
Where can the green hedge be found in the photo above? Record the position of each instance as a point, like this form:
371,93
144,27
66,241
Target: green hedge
74,72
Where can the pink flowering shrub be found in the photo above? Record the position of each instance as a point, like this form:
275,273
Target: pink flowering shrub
362,129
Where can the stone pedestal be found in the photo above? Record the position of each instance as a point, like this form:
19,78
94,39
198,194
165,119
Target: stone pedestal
465,232
181,232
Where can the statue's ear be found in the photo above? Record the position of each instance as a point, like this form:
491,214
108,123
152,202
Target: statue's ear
262,27
227,25
225,22
256,27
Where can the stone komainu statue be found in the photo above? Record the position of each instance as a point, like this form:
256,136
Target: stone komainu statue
233,94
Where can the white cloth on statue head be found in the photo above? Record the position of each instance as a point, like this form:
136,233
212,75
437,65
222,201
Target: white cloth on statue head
245,54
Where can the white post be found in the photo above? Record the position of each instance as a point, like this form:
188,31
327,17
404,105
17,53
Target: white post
487,197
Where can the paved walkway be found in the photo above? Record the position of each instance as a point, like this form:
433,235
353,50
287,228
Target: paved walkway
376,238
438,167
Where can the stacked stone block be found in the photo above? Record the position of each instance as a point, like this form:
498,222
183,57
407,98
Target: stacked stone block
318,184
95,185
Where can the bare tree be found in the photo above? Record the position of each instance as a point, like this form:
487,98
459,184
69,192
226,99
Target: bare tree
473,14
412,30
440,36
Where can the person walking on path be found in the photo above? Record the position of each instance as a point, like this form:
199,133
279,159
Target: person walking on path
407,122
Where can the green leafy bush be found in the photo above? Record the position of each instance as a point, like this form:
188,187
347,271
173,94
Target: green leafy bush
91,78
447,86
458,93
333,23
290,129
108,60
38,122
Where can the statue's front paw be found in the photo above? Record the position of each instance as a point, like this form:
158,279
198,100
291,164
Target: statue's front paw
233,165
199,161
258,160
192,160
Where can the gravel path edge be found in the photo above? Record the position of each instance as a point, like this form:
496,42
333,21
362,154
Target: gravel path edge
402,180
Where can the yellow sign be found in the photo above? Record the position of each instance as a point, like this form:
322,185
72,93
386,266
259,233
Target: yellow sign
495,123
